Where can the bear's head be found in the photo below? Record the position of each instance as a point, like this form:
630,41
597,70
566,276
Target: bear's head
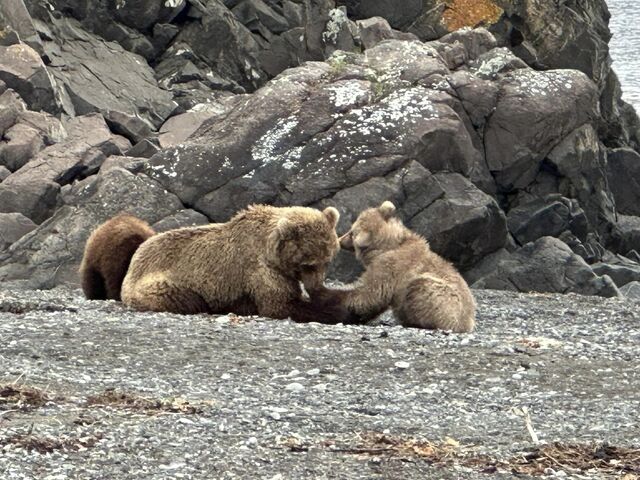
376,230
304,242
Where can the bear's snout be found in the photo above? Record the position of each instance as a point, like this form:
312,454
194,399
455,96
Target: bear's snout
346,241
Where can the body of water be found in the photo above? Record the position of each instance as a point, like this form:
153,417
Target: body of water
625,47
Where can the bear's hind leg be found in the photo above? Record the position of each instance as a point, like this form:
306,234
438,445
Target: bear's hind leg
433,303
159,294
93,284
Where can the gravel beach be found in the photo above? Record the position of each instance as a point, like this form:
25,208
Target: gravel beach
89,389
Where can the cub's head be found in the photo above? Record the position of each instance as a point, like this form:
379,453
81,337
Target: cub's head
376,230
304,242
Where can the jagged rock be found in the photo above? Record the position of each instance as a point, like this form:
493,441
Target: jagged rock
131,164
579,162
50,254
631,290
340,33
556,35
590,249
462,224
13,226
143,149
626,237
4,173
33,189
49,127
182,218
376,29
623,171
11,106
286,134
14,15
547,265
622,273
547,216
21,144
399,16
561,100
178,128
22,70
102,76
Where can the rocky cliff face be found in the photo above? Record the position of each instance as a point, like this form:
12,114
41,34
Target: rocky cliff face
496,127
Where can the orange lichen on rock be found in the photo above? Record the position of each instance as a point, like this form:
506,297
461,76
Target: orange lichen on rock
470,13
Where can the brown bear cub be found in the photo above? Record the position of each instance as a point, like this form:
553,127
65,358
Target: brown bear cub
253,264
401,271
107,255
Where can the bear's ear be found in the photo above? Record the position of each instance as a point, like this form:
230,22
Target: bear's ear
387,209
332,215
284,227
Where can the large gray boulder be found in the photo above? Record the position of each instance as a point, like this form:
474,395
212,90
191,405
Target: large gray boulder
13,226
626,237
623,172
99,76
22,70
546,265
33,189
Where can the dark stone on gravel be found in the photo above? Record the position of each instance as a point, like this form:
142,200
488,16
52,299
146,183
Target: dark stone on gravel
623,171
195,396
13,226
546,265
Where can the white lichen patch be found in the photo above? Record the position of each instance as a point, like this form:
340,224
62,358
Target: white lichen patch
490,67
272,147
391,59
400,108
337,18
348,93
542,84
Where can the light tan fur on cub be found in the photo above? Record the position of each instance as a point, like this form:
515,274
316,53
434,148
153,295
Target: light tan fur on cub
401,271
253,264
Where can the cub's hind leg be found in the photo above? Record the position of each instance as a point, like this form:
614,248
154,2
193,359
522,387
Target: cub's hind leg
159,294
434,303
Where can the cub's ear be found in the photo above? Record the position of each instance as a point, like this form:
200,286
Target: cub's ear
387,209
332,215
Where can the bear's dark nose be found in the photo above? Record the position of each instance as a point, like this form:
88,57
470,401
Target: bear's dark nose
346,241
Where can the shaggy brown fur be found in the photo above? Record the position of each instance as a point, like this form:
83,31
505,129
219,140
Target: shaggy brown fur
252,264
107,255
401,271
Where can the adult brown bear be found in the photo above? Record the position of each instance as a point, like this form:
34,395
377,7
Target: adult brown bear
252,264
